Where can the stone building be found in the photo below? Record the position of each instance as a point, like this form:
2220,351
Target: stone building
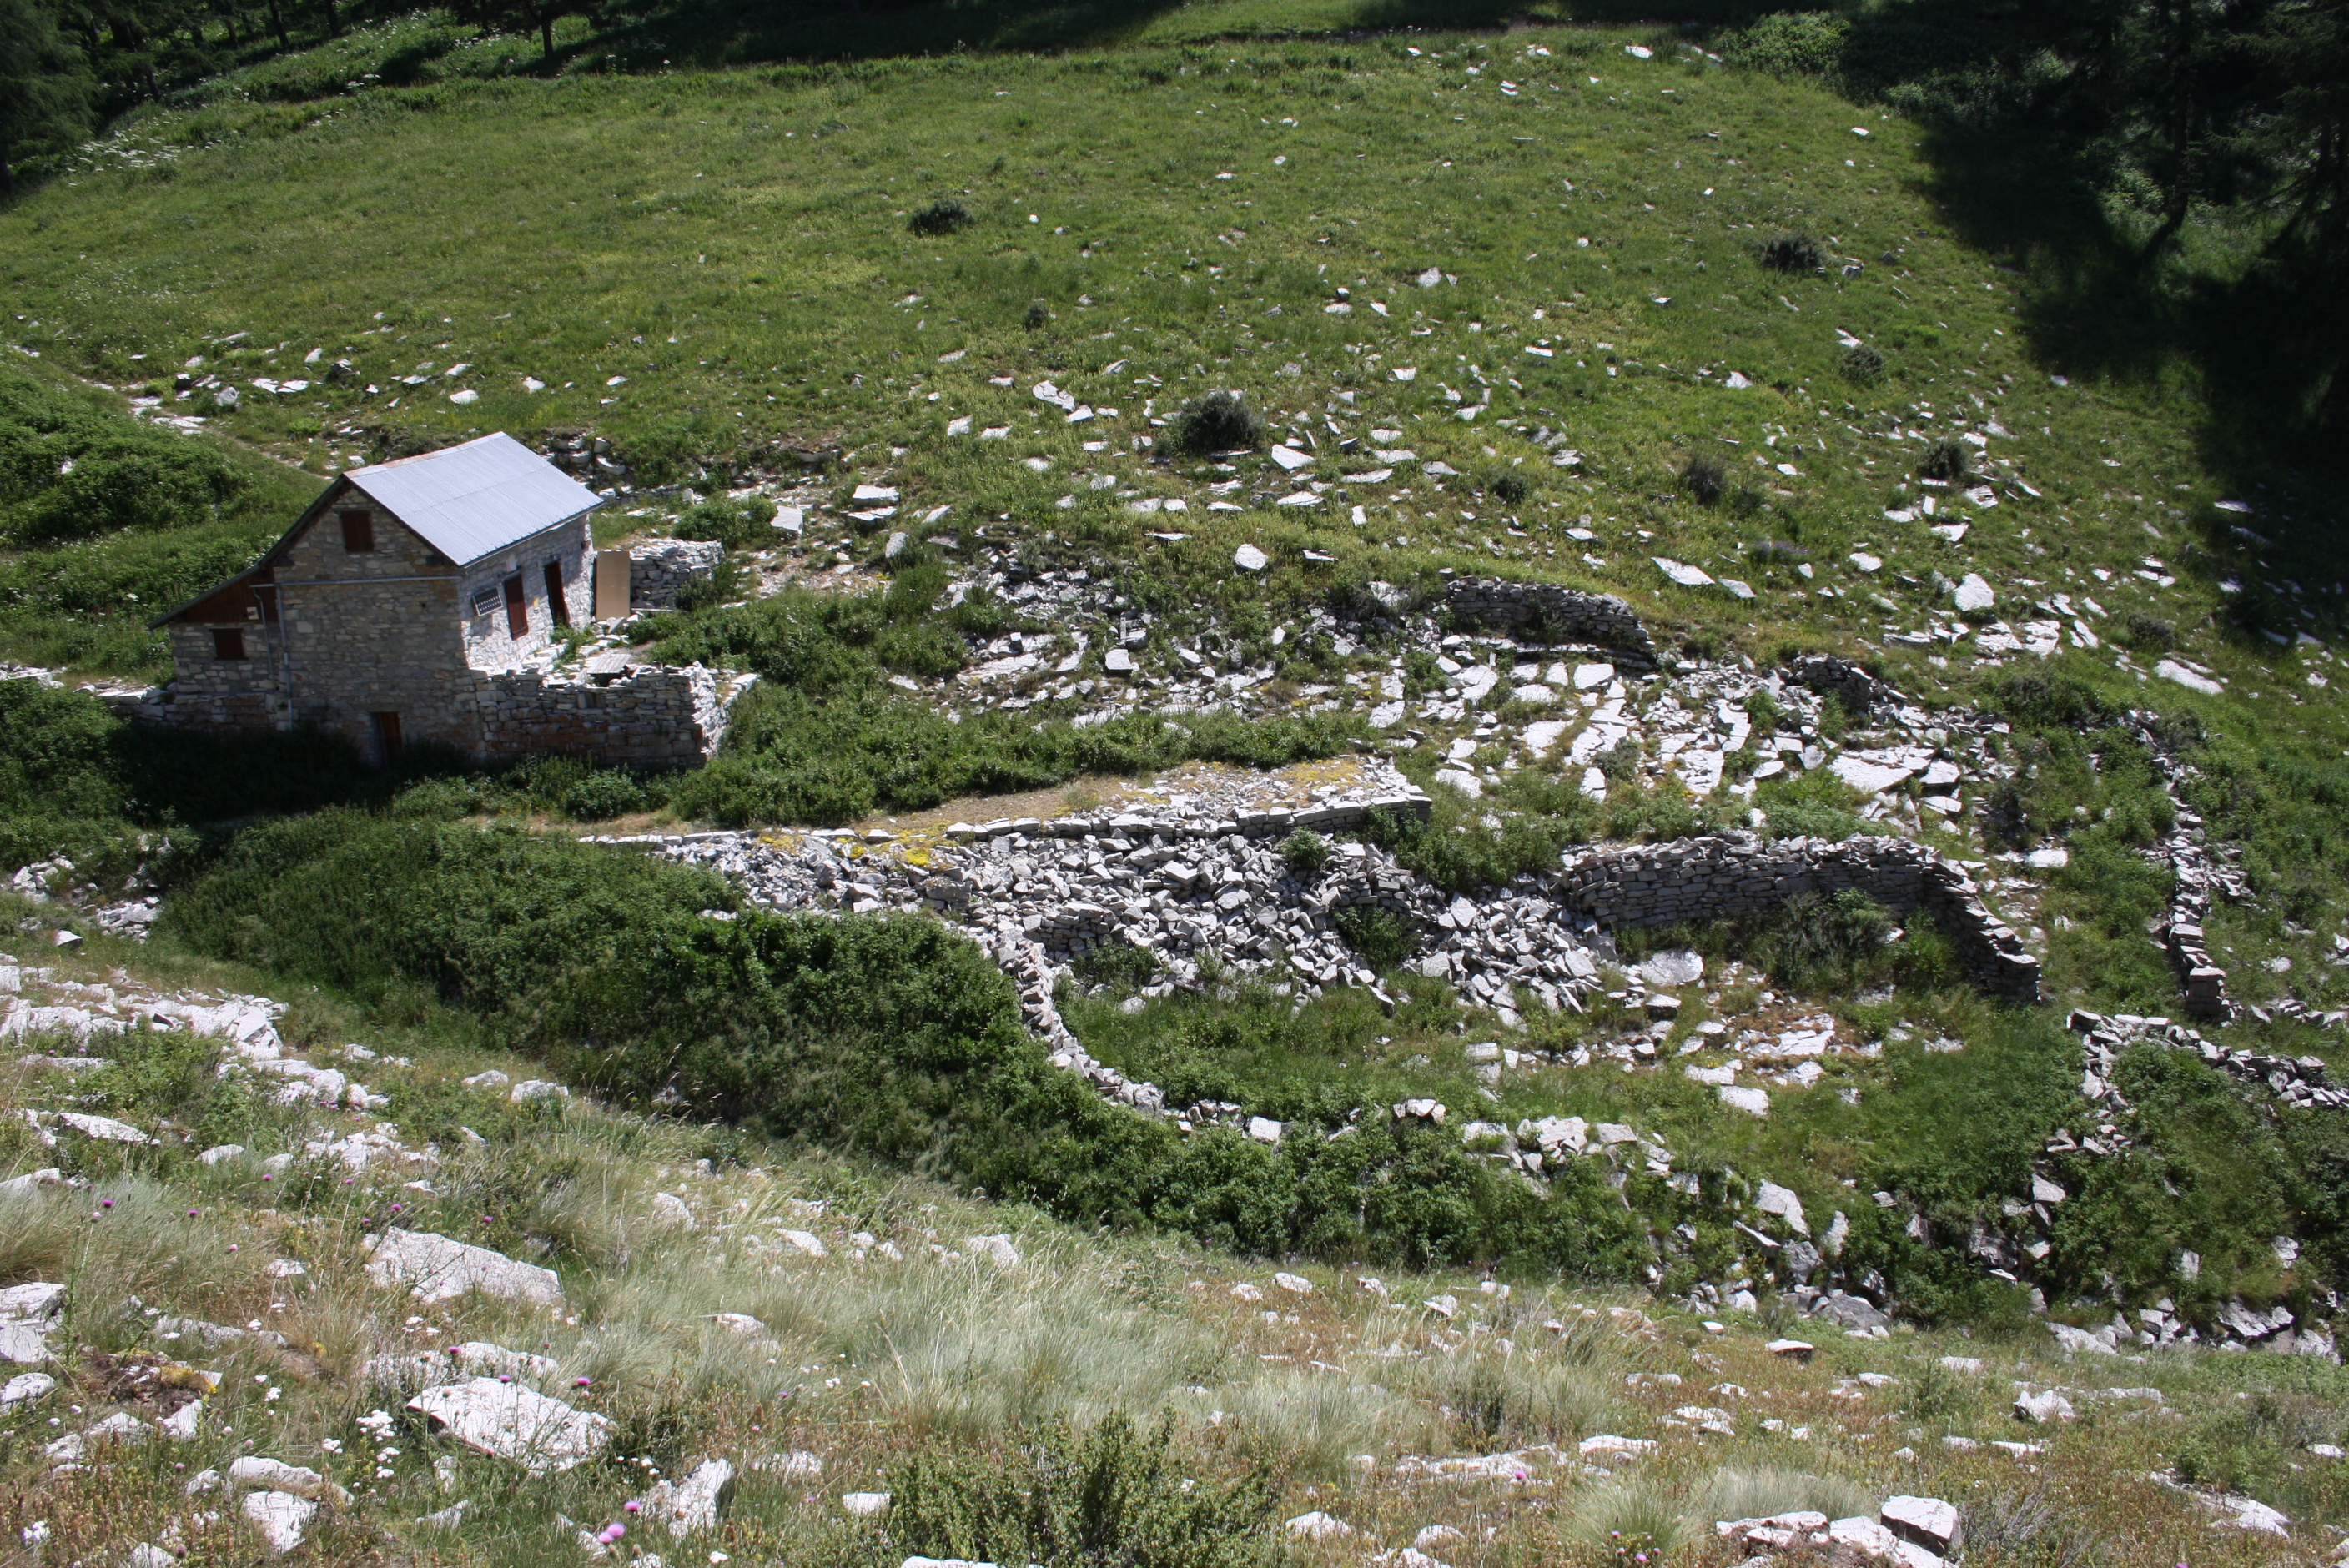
421,602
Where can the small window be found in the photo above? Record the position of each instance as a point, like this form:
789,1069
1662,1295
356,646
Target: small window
358,532
485,603
228,642
555,607
517,609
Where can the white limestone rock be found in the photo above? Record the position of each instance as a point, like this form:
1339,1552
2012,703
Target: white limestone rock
510,1422
436,1268
695,1503
282,1518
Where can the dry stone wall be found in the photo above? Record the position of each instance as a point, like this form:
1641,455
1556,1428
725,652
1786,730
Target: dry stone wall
654,716
1551,614
659,569
1737,874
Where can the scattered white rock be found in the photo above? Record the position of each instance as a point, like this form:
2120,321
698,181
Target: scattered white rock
864,1504
1318,1526
695,1503
2044,1407
997,1250
509,1421
437,1268
283,1519
1249,558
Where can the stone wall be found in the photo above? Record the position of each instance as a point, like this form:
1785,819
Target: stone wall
1556,614
488,645
1735,874
659,569
654,716
375,632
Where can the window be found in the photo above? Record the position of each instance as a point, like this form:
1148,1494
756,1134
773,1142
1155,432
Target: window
358,532
517,609
485,603
387,737
555,607
228,642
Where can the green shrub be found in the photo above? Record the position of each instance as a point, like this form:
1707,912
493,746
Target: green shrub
1792,253
1219,422
1039,316
1305,853
735,524
1945,460
1509,488
1861,366
948,215
1705,479
1804,43
1821,942
1378,936
612,793
1116,964
1113,1496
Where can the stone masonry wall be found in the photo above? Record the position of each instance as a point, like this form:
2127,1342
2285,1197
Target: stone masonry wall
655,716
488,646
1562,614
375,632
659,569
1734,874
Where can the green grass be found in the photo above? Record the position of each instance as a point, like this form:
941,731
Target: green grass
734,244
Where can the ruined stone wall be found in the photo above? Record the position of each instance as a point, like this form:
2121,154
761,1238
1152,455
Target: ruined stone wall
659,569
1737,874
655,716
1559,614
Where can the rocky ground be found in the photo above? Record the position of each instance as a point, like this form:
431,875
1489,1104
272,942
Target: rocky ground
283,1336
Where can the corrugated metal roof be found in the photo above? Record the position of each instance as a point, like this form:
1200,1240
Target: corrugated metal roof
474,500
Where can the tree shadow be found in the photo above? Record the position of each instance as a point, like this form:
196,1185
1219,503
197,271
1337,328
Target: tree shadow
714,32
2018,174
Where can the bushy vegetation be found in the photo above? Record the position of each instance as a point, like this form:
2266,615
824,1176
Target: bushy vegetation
891,1037
1111,1495
113,523
1219,421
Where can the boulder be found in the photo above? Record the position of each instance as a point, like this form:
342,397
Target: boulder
282,1518
694,1504
437,1268
1928,1522
509,1421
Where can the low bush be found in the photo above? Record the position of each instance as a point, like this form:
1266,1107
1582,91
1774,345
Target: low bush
894,1038
1509,488
1821,942
1378,936
1705,479
946,215
1947,461
1305,853
1113,1495
1792,253
735,524
1861,366
1219,422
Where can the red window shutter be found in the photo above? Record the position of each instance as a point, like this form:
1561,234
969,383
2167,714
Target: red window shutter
517,609
555,608
358,532
228,643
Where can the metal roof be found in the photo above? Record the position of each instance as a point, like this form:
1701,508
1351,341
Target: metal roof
471,500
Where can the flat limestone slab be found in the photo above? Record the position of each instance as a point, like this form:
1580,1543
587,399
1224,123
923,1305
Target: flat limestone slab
436,1268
